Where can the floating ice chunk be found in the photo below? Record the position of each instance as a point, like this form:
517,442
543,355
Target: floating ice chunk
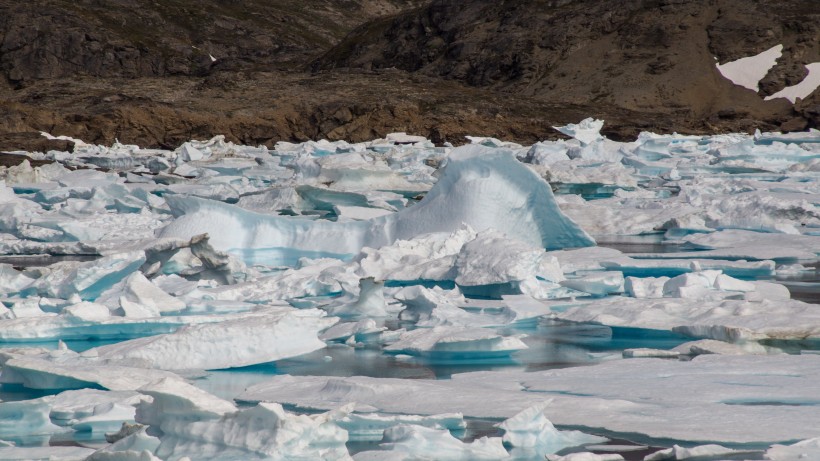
57,453
584,259
267,335
27,308
370,303
272,201
427,443
674,267
87,312
597,283
356,171
404,138
491,188
367,426
748,72
492,142
90,322
187,171
343,331
678,452
316,199
188,153
174,401
126,455
711,346
425,257
195,423
692,285
532,432
139,290
457,342
491,259
645,352
523,308
803,89
587,131
709,390
359,213
722,319
767,290
131,437
91,410
586,456
316,277
88,279
27,418
743,244
597,151
12,280
36,373
431,307
726,283
800,451
646,287
547,153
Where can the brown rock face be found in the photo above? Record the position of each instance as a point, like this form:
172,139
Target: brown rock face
157,73
141,38
636,54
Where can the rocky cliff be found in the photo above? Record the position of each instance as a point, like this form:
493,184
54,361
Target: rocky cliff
162,71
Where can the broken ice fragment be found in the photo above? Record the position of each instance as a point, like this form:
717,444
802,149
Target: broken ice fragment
426,443
531,432
456,342
800,451
267,335
587,131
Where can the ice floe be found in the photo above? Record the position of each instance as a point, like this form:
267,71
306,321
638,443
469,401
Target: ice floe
161,304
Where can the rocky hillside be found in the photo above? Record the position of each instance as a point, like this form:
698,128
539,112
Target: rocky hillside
142,38
162,71
635,54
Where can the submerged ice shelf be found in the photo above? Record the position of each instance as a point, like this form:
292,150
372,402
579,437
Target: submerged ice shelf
385,300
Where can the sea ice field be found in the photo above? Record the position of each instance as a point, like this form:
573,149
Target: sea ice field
572,300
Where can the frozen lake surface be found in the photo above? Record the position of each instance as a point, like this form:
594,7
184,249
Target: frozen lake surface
577,300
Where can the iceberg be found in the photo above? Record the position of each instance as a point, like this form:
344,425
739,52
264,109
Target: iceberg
491,190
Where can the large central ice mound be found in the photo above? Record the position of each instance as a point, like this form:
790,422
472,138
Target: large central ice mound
480,186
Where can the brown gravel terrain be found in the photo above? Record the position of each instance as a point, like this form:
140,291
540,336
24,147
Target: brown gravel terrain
156,73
